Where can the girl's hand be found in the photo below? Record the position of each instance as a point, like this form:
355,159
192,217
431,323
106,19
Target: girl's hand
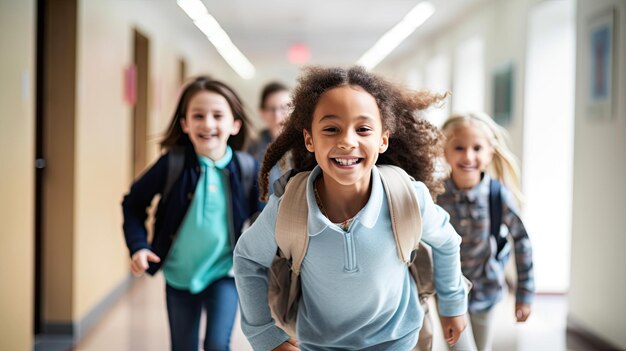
139,261
289,345
522,311
452,328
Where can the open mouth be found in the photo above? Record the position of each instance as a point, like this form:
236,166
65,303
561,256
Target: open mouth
207,136
347,161
467,168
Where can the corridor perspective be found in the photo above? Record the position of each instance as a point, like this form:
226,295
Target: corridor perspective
89,87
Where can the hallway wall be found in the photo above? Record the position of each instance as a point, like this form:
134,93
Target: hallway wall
17,179
597,278
502,25
598,282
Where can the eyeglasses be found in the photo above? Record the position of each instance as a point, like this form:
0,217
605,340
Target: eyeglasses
276,109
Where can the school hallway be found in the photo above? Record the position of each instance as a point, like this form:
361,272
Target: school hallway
88,89
138,321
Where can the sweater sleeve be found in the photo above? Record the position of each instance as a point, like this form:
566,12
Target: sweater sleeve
137,201
439,234
523,250
253,256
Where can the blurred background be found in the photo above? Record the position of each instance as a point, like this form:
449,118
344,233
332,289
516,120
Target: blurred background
87,88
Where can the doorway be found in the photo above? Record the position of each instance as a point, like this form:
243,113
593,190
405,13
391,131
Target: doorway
141,49
54,178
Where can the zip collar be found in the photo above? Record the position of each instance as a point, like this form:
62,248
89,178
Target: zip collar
367,216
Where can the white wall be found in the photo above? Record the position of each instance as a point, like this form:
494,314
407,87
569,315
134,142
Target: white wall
438,79
549,140
501,26
598,193
496,32
469,72
598,281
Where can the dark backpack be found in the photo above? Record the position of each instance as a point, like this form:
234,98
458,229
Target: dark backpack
176,162
495,217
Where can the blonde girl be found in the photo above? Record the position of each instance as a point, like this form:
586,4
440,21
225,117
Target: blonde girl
476,152
356,293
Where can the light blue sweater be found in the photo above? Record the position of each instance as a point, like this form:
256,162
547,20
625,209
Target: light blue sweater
356,292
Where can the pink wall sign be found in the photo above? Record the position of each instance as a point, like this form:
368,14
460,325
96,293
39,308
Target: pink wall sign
130,84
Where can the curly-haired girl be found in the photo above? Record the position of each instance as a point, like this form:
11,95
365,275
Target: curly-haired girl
356,293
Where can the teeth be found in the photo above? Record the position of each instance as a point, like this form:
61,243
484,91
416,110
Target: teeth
346,161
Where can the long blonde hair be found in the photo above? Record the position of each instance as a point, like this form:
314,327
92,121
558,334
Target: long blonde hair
504,165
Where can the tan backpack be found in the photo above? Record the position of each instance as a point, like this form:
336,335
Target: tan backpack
292,239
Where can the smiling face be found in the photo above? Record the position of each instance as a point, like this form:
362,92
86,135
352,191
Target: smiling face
346,136
209,122
275,110
468,152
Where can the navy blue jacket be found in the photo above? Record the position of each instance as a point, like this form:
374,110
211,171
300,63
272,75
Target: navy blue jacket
171,210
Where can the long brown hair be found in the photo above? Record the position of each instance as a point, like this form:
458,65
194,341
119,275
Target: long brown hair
175,136
414,143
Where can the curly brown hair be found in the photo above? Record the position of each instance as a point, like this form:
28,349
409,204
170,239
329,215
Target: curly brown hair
414,143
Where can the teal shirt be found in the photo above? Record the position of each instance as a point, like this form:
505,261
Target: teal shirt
202,253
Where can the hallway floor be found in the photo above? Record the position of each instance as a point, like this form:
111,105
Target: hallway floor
138,321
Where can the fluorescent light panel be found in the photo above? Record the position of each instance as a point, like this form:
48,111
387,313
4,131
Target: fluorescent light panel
207,24
393,37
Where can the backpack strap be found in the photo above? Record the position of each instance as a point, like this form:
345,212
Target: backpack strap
292,239
291,223
495,213
175,163
406,221
404,210
246,166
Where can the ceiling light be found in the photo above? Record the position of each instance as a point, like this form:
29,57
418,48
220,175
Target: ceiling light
193,8
393,37
208,25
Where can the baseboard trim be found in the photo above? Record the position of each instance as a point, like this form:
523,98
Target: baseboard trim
95,314
581,334
57,328
77,330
